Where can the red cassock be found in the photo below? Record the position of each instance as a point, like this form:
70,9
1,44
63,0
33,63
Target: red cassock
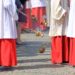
38,10
72,52
8,52
60,49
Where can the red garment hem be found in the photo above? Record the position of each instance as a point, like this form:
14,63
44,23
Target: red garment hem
8,52
60,52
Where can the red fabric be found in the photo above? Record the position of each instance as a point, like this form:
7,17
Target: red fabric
60,52
72,52
65,48
28,23
39,13
8,52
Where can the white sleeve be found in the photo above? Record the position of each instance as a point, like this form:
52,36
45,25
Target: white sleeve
10,6
57,10
59,13
6,3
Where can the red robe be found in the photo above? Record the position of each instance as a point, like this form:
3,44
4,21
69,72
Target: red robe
39,11
8,52
72,52
60,49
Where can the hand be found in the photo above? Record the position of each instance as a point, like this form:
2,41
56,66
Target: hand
21,8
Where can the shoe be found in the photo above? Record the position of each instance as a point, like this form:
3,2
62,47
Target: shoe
42,50
18,43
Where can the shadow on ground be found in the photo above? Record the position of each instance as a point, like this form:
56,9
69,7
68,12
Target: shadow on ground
33,60
30,48
38,66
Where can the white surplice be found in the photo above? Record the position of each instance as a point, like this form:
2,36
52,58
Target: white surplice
59,22
38,3
7,19
71,22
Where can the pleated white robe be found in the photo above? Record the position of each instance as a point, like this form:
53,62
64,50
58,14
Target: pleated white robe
8,33
58,9
7,19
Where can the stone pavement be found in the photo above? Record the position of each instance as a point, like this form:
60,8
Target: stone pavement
31,62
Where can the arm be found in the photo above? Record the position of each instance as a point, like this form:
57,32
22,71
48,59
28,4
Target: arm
18,4
10,8
7,4
60,12
57,10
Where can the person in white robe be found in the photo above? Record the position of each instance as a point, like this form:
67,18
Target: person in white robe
71,33
57,32
8,33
